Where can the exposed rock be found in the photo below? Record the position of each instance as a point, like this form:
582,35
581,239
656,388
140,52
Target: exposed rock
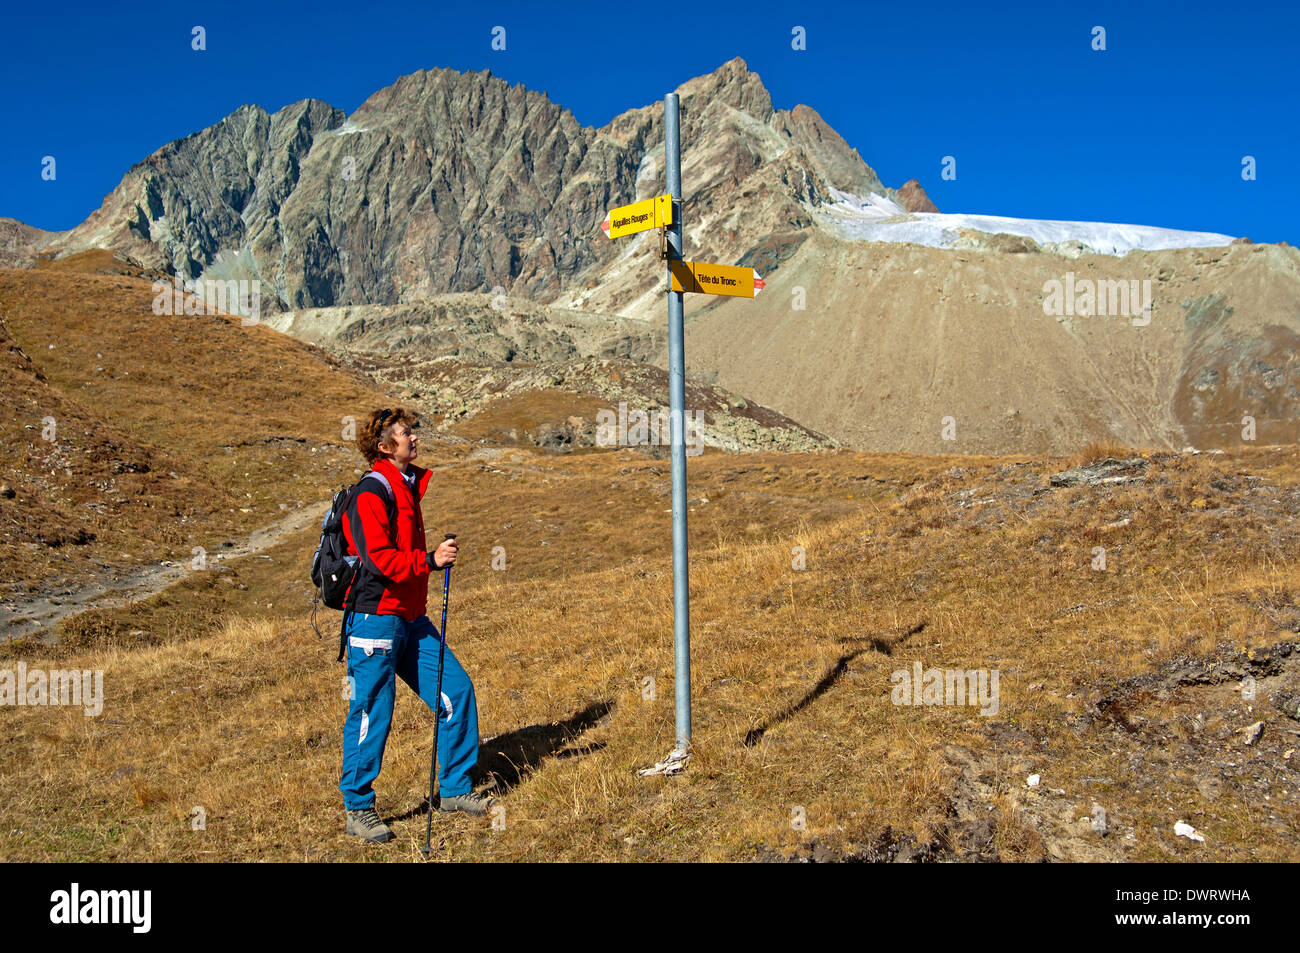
913,198
217,191
1071,248
1012,244
561,437
1002,242
19,243
452,182
1100,472
1286,699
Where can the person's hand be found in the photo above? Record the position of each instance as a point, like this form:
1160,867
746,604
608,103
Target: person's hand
445,554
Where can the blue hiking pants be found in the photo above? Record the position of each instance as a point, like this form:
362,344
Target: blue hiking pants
379,648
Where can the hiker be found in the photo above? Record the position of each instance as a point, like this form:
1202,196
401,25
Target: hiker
391,634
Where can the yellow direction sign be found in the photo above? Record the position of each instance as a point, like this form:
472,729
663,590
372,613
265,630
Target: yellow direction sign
707,278
639,216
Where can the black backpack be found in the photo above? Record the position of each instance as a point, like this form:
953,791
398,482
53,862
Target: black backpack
333,570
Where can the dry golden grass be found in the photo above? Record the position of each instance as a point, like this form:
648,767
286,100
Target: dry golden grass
94,261
1096,450
171,432
242,715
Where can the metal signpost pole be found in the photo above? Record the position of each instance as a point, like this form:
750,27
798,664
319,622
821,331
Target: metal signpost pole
677,416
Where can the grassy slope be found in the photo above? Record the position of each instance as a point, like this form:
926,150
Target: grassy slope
172,432
961,553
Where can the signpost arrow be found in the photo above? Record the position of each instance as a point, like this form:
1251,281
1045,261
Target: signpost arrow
639,217
707,278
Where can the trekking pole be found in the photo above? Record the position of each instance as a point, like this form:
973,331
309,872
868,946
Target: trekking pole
437,705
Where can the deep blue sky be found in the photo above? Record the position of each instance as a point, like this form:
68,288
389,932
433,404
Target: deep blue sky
1151,131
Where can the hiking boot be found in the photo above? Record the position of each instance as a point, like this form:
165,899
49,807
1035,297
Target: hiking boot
366,823
471,803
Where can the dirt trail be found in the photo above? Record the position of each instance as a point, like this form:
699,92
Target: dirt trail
44,613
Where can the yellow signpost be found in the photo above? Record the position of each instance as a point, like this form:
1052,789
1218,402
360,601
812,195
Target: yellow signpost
707,278
639,217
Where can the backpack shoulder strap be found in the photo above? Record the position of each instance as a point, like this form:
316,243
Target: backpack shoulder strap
360,538
389,497
375,474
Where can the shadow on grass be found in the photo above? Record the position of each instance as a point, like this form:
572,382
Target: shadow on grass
506,760
884,646
875,644
755,735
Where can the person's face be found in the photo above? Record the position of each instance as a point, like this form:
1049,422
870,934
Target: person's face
403,444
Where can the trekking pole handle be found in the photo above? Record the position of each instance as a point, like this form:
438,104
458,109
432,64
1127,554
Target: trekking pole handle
432,564
446,591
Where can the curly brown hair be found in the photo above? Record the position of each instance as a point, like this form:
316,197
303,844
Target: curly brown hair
379,429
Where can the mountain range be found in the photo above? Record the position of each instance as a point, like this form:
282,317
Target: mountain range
885,324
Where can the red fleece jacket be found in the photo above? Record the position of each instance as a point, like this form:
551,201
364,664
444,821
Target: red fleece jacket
397,551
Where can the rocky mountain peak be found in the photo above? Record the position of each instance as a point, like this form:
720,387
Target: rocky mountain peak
448,181
732,84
